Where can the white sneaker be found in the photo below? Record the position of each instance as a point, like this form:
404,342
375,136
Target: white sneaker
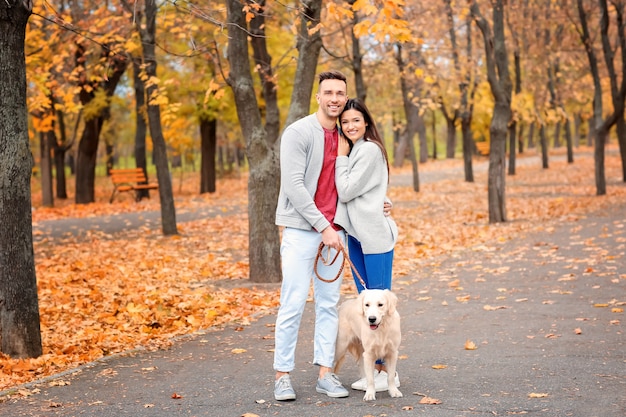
361,384
380,382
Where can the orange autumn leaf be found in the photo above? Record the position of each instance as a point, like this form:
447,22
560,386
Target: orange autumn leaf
430,401
469,345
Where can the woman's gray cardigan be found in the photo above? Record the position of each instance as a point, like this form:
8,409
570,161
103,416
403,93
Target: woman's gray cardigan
362,180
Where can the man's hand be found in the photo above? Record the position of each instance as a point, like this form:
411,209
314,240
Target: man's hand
331,238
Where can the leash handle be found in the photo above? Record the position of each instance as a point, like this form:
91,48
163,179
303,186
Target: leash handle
328,262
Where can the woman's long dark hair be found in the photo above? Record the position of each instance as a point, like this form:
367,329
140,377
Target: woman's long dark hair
371,132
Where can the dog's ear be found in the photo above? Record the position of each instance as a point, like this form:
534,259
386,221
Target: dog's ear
360,300
392,299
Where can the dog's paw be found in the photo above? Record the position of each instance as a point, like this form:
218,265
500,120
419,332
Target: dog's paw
370,395
394,392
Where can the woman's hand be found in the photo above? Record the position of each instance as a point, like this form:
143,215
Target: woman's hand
343,148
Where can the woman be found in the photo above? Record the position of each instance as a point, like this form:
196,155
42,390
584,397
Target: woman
362,177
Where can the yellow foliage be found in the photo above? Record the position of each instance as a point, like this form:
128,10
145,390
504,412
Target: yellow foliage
43,124
157,99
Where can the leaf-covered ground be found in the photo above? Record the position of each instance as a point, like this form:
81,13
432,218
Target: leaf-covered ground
106,294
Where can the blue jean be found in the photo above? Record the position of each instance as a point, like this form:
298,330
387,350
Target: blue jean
375,269
298,251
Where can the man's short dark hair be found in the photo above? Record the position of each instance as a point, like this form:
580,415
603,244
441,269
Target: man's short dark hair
332,75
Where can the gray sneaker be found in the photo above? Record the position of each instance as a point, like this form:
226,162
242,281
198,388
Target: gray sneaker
283,390
331,386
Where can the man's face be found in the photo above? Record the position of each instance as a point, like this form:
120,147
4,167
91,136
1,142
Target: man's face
331,97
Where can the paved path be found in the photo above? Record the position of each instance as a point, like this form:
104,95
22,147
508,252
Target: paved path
543,311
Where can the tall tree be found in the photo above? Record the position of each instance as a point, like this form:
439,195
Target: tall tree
145,23
497,63
20,334
601,125
95,93
411,112
468,88
263,237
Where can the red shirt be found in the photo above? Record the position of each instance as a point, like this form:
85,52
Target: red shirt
326,194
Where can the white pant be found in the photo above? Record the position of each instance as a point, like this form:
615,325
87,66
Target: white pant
298,251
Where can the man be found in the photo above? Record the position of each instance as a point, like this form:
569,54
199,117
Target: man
306,209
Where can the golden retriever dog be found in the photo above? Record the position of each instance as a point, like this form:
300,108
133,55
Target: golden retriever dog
369,328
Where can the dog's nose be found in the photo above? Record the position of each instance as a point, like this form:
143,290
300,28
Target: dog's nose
372,319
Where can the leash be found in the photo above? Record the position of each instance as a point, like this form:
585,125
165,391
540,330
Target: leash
328,262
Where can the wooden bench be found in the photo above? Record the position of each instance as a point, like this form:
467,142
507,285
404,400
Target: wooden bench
131,179
482,148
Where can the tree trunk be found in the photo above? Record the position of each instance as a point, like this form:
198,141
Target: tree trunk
420,128
166,195
208,145
88,146
602,126
556,143
512,147
58,152
468,141
451,138
501,88
262,151
434,130
531,136
141,126
544,147
411,112
20,334
86,161
577,124
60,149
568,141
497,163
621,139
598,155
467,107
110,156
59,166
357,60
590,133
47,194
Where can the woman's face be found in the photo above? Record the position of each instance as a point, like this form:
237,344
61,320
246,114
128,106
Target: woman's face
353,124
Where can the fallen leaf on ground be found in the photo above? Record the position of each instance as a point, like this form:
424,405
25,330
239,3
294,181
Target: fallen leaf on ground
493,308
469,345
430,401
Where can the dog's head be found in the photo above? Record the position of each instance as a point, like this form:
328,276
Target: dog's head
376,304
